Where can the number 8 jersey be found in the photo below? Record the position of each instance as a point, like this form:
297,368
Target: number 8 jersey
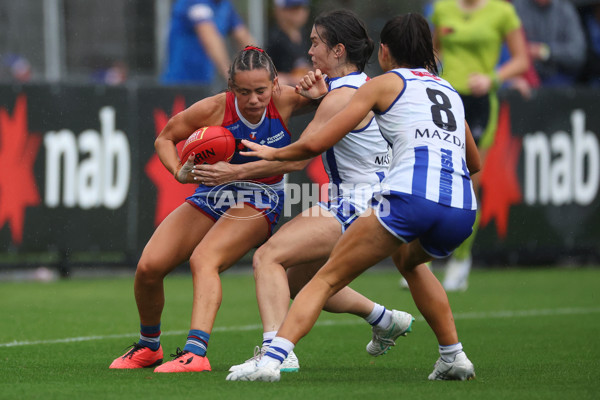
425,125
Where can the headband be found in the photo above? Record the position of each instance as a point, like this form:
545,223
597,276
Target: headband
254,48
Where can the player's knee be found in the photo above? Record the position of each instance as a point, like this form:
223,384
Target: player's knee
147,272
263,256
202,265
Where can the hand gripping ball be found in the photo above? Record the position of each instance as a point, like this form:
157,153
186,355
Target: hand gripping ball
210,145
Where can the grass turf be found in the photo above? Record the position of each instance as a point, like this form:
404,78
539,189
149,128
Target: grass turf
531,334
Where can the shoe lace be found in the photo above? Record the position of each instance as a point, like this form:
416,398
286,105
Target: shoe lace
179,353
441,369
134,347
377,338
258,353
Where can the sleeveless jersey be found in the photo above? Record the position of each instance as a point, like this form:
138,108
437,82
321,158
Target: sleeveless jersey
426,127
361,158
270,131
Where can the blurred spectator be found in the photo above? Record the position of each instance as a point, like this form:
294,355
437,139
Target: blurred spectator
556,41
590,17
468,35
288,41
115,74
524,83
14,67
197,44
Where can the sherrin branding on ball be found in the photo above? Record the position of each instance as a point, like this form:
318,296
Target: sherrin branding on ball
210,145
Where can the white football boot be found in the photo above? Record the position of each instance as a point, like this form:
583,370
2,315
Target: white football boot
383,339
249,372
290,364
460,369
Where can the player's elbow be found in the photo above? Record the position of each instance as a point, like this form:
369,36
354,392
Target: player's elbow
157,142
474,166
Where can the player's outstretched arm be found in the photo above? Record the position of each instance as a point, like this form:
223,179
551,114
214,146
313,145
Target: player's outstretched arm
222,172
314,141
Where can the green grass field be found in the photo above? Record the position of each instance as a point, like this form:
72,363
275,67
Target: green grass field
531,333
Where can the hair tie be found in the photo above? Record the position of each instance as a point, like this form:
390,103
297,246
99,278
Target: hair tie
254,48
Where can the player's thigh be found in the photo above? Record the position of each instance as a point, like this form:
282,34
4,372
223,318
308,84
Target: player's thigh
308,237
365,243
175,238
231,237
410,255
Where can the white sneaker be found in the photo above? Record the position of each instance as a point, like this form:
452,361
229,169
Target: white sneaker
403,283
258,353
383,339
457,275
249,372
290,364
460,369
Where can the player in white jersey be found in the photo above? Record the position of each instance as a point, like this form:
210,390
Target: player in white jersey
356,165
429,142
425,210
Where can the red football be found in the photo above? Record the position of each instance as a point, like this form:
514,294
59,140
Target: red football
210,144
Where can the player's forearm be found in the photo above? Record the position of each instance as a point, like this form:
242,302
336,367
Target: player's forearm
167,154
265,169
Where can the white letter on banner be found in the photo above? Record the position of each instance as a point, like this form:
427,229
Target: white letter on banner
585,147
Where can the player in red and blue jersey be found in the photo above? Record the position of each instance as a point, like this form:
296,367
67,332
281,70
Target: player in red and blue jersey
226,216
217,225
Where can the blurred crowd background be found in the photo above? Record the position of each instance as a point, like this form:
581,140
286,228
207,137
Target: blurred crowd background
125,41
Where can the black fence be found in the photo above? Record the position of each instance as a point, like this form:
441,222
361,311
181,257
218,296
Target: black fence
80,182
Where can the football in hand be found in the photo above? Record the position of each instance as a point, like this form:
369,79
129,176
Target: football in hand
210,145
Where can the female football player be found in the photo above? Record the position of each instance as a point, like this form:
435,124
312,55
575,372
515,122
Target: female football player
427,204
209,229
340,48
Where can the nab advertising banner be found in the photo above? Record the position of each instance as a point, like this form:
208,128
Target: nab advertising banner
78,173
540,184
66,168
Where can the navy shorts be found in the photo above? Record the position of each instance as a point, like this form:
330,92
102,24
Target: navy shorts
215,201
440,228
343,210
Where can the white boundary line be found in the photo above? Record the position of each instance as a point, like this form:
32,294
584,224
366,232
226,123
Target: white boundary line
457,316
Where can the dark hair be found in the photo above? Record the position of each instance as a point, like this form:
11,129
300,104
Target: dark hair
252,58
343,26
409,39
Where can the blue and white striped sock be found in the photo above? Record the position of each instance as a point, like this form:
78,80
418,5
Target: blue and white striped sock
150,336
380,316
278,351
268,338
197,342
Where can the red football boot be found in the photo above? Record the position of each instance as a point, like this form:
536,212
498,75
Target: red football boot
138,357
185,361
